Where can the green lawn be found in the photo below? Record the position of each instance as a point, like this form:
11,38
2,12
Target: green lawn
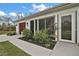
8,49
5,32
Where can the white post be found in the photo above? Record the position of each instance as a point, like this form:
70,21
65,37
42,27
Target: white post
55,27
45,24
37,25
17,28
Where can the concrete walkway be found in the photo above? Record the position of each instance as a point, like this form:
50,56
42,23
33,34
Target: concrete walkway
60,49
65,49
3,38
30,48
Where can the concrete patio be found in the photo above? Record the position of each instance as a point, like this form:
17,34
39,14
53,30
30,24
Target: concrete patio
65,49
3,38
60,49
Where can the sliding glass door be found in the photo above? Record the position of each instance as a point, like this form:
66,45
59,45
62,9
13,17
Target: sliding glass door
41,24
32,26
48,24
50,27
67,27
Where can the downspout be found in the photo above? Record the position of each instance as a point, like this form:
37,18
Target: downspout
57,27
34,26
76,26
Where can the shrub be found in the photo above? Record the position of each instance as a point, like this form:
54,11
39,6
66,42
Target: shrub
11,33
41,37
27,34
2,32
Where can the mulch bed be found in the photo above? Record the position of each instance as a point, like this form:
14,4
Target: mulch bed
51,44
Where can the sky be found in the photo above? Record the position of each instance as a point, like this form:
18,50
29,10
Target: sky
24,9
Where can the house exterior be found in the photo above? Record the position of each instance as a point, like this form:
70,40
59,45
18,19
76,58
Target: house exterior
62,22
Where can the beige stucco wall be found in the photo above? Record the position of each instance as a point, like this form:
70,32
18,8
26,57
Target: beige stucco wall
28,26
17,28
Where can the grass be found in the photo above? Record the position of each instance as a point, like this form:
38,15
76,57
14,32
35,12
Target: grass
8,49
5,32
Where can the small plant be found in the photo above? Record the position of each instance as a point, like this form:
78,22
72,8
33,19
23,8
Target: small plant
11,33
41,37
27,34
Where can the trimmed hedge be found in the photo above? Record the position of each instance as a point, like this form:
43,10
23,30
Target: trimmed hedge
41,37
11,33
27,34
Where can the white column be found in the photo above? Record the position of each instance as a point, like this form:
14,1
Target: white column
45,24
29,25
17,28
55,24
37,25
26,24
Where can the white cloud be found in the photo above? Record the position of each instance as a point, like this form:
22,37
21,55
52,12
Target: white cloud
2,13
22,14
37,8
13,14
40,7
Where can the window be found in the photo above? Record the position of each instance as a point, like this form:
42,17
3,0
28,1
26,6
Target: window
35,25
50,25
41,24
32,26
